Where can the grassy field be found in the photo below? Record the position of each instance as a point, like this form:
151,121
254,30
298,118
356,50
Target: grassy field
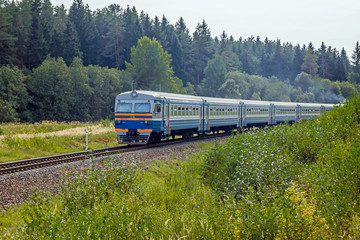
23,141
286,182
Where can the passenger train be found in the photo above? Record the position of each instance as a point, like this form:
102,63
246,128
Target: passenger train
143,117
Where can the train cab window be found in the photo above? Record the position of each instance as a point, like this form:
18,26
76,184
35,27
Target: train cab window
124,107
142,107
157,108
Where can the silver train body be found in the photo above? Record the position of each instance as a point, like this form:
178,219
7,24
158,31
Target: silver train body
143,117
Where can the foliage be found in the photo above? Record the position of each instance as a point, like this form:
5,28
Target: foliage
310,65
13,95
74,93
150,65
293,182
215,73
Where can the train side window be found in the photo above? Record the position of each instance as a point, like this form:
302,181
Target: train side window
157,108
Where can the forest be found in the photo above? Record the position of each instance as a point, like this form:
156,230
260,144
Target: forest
69,64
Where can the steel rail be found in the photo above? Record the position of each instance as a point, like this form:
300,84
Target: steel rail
28,164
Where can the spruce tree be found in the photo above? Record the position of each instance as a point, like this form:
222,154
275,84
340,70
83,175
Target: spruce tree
187,55
36,49
355,58
203,49
6,39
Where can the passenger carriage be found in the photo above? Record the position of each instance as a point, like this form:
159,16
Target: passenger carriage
146,116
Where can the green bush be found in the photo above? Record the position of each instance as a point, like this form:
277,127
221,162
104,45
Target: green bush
299,181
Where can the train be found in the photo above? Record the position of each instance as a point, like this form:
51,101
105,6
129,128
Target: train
143,117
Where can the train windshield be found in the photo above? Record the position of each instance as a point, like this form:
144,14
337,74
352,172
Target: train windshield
142,107
124,107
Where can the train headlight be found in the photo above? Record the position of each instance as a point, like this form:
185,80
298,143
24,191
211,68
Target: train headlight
134,94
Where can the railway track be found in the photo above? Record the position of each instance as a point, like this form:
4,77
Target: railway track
28,164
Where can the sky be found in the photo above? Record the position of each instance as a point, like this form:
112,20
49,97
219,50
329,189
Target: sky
334,22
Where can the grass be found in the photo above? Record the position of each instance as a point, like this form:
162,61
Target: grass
43,127
43,141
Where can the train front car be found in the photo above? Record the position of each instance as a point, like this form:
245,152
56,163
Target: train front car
133,117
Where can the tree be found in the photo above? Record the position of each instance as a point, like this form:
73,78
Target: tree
47,22
297,62
21,29
82,19
310,63
150,65
50,86
355,58
13,95
354,75
36,49
6,39
203,49
323,62
187,54
304,81
215,75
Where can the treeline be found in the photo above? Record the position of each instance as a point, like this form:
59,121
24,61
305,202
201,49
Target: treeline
125,46
32,29
55,91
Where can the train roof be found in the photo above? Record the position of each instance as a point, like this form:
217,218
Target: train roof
142,94
159,95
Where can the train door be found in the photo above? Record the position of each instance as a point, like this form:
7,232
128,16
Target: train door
166,117
273,114
243,110
298,114
207,118
201,116
240,111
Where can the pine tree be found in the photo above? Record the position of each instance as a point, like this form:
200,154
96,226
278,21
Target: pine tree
342,66
355,58
323,62
187,55
310,65
6,39
47,23
72,48
146,25
36,50
21,29
131,33
82,19
297,62
203,49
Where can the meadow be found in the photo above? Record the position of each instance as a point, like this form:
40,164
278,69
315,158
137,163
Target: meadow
23,141
284,182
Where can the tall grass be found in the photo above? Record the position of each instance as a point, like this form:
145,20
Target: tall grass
15,148
43,127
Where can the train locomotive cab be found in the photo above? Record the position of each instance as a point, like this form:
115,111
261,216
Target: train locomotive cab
133,118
